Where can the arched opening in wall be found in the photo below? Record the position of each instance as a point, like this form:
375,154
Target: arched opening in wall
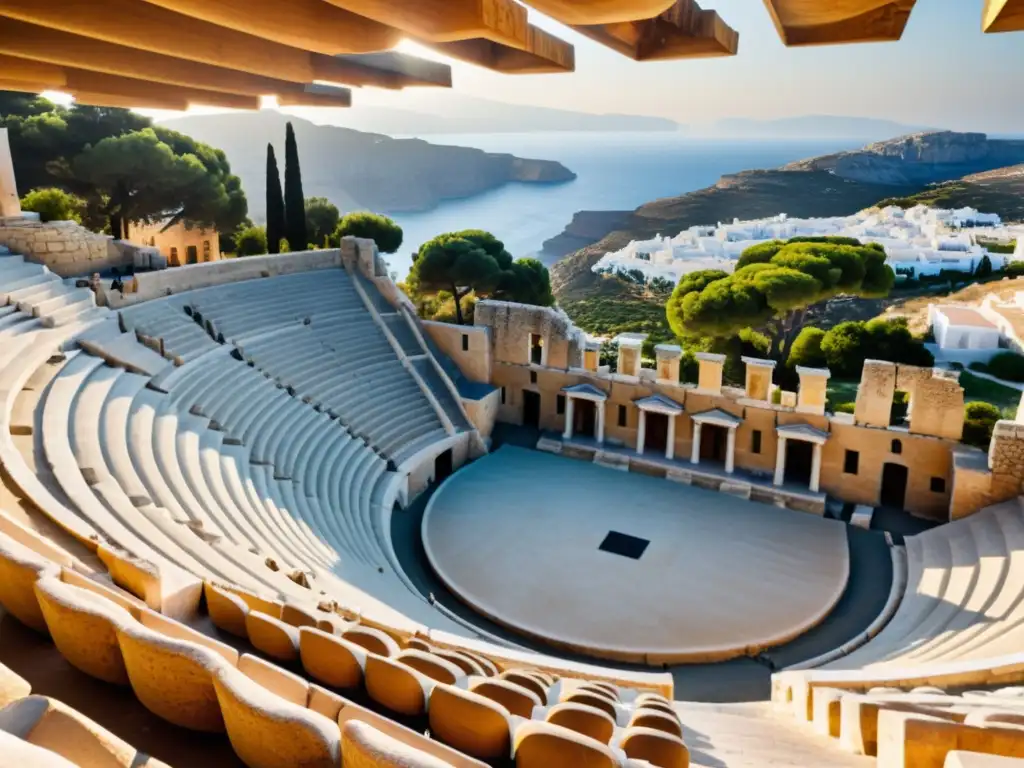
656,435
191,255
443,465
584,417
713,443
531,408
799,455
894,486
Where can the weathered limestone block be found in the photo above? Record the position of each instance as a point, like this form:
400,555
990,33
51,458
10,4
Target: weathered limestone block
709,378
937,408
511,327
813,389
759,378
668,356
875,393
66,247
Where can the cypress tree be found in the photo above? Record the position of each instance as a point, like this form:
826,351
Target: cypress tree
275,204
294,200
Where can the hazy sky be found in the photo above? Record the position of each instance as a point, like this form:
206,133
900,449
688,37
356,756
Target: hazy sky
943,73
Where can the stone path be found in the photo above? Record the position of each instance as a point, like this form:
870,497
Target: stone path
754,736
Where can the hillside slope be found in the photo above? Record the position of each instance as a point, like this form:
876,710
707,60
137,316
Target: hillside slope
361,170
830,185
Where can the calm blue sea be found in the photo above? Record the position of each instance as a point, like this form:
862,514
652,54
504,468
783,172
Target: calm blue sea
615,171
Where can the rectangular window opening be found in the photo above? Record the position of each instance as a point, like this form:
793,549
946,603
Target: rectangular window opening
623,415
502,395
755,441
465,342
938,485
533,377
851,463
560,405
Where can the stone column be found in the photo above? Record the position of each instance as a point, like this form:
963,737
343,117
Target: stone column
695,452
816,468
780,462
730,451
670,445
567,433
600,422
10,206
641,432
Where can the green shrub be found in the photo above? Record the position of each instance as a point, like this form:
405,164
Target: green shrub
1014,269
54,204
806,349
777,396
844,407
979,420
1008,366
251,241
981,410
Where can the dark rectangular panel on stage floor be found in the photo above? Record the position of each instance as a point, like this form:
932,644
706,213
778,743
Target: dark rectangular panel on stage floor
624,544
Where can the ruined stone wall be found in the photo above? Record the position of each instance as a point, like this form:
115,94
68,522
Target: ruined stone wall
65,247
483,413
1006,460
511,325
972,484
874,395
469,346
937,407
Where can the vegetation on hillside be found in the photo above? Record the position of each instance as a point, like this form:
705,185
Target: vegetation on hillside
53,204
275,204
773,287
322,217
462,266
1000,191
373,226
123,167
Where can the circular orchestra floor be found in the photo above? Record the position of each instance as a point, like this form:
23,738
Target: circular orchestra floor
623,566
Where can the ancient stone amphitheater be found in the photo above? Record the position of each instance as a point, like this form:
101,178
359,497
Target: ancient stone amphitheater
197,562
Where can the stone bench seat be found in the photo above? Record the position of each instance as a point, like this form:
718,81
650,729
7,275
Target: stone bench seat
30,300
60,295
960,608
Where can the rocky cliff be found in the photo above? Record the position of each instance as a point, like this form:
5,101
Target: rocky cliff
358,170
830,185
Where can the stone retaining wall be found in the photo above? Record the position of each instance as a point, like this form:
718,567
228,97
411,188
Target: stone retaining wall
67,248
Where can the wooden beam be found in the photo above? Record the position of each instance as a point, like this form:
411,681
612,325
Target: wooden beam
152,101
408,70
1003,16
684,31
130,24
140,25
23,86
96,82
13,68
599,12
129,91
311,24
443,21
30,41
316,95
544,53
808,22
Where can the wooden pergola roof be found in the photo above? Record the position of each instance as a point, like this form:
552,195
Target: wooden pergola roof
173,53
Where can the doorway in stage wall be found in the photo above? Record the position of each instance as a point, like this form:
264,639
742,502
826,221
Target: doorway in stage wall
442,465
713,442
656,433
531,408
191,255
584,417
894,486
799,455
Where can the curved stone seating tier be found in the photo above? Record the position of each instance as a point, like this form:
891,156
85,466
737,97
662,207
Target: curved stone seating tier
964,598
960,624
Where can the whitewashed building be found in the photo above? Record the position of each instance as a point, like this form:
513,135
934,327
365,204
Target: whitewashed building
917,241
